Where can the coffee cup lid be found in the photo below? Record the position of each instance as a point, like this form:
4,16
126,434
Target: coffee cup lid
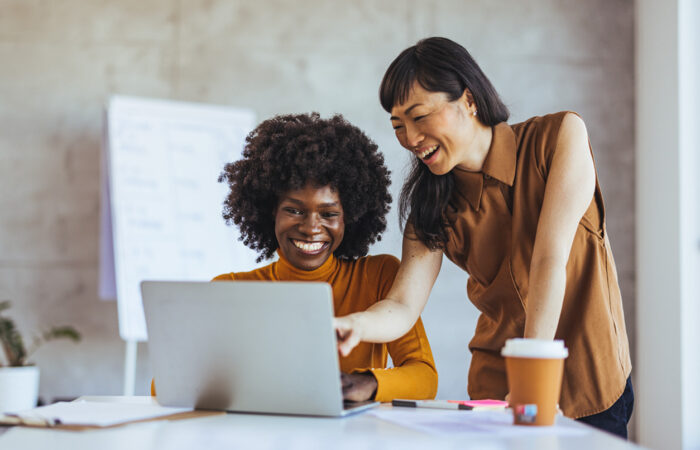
534,348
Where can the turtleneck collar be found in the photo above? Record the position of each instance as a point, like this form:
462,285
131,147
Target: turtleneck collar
284,270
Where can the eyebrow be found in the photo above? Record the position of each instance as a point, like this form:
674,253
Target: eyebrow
299,202
406,112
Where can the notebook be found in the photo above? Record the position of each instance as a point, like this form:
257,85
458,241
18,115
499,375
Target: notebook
99,412
245,346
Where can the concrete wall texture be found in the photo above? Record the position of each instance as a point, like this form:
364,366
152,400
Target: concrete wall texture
62,59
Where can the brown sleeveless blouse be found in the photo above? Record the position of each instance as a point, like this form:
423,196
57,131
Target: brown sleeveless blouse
492,220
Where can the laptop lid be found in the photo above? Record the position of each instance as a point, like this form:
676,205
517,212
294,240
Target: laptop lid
248,346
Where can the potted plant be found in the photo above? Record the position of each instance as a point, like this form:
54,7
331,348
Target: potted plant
19,379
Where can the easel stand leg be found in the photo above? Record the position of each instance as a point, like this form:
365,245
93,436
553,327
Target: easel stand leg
130,367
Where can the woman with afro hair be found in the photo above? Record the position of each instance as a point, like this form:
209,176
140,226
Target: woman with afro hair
315,191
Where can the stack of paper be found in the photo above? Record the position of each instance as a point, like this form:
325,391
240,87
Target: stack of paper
87,414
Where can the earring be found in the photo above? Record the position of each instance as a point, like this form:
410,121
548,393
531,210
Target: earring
474,113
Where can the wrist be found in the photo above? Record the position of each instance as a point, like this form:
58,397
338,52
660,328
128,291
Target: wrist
539,329
371,384
538,334
358,324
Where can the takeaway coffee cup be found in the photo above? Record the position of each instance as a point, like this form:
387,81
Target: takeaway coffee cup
534,368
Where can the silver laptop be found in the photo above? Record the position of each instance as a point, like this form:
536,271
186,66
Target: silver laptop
246,346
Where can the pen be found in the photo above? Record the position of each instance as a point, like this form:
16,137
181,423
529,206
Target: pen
437,404
29,420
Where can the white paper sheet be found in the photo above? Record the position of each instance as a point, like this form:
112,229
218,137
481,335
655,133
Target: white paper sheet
101,414
442,422
161,199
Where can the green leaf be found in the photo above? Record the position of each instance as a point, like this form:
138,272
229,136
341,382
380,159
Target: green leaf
65,332
12,343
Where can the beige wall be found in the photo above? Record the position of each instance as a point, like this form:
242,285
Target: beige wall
61,59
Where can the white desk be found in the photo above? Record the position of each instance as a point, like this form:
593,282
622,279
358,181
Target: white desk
256,431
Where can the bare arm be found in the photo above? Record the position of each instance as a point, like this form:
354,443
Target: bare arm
392,317
568,194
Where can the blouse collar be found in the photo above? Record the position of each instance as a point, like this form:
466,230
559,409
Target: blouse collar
499,164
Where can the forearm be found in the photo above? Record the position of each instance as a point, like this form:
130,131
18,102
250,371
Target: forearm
569,192
393,316
545,298
385,321
413,380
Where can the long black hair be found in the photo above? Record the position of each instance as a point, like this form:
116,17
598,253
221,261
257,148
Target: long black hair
438,65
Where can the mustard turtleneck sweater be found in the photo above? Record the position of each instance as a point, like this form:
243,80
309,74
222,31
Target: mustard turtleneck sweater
356,286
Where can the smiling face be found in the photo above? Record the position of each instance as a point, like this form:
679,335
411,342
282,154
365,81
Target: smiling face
443,134
309,225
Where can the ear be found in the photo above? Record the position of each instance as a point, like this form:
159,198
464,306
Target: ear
467,97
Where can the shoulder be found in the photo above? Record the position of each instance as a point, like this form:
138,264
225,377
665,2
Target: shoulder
225,277
572,128
381,266
376,274
382,261
539,137
261,273
546,124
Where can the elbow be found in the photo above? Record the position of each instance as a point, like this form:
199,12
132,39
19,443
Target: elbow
432,384
404,316
550,262
425,386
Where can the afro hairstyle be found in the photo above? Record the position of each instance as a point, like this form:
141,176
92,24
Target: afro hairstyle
286,153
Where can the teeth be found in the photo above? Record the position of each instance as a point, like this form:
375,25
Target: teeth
427,151
308,246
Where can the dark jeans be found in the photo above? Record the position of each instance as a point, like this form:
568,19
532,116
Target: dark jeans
615,418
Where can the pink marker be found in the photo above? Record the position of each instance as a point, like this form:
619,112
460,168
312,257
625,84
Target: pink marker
482,404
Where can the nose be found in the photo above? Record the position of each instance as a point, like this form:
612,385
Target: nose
311,224
413,136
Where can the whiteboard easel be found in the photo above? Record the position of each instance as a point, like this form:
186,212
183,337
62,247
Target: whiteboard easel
161,202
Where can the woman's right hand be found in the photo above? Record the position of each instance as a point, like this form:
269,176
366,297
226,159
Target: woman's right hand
348,333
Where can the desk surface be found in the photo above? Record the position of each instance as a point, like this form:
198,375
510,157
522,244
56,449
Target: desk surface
365,430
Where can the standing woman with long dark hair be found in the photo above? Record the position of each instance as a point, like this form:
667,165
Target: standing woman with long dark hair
519,208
